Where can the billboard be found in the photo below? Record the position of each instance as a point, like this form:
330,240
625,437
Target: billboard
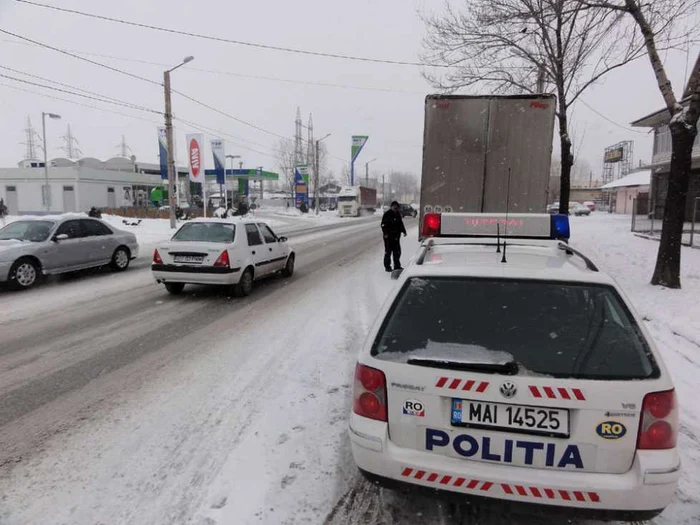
301,186
195,157
358,142
614,155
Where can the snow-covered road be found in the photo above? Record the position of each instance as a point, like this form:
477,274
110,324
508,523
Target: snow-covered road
120,404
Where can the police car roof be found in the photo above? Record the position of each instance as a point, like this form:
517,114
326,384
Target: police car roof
525,259
227,220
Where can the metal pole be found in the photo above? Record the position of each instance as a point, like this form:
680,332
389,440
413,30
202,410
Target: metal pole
634,213
47,195
171,161
316,176
692,223
383,198
352,173
367,174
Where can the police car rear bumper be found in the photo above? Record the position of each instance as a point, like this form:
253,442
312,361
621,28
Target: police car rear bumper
647,487
166,273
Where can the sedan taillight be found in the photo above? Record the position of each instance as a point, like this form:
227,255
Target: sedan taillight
156,257
370,393
223,260
658,428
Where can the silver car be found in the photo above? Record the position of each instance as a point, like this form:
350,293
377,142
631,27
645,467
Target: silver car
30,248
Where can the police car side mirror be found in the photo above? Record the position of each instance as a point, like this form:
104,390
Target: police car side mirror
60,237
396,273
282,239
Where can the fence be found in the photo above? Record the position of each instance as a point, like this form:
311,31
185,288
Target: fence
645,221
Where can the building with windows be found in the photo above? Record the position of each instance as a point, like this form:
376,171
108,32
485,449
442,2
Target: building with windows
78,185
661,162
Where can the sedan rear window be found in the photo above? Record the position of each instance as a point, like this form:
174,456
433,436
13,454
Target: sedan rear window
556,329
34,231
206,232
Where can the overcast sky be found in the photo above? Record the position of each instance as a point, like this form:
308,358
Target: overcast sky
382,101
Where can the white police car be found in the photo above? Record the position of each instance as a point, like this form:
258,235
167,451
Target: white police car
510,367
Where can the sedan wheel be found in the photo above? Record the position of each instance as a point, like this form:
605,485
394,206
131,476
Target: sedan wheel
120,259
174,288
245,285
24,274
289,267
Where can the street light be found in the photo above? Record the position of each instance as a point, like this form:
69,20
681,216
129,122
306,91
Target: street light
367,171
47,188
169,134
316,168
225,181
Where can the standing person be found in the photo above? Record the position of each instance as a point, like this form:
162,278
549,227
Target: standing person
3,211
392,228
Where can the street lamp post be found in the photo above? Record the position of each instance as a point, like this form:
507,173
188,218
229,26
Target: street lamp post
226,180
47,188
316,169
367,171
169,134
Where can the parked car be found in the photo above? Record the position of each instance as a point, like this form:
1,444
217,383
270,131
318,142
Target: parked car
407,210
590,205
222,252
553,208
30,248
579,210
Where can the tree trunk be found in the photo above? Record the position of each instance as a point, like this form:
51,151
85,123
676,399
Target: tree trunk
668,261
567,161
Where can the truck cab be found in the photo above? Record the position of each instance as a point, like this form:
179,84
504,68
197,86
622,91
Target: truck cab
348,202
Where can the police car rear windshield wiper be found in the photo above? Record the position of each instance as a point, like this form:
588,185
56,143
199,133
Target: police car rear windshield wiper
509,368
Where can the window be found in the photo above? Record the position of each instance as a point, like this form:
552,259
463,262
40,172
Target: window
267,233
67,188
70,228
254,238
94,228
110,190
553,328
206,232
11,188
662,141
34,231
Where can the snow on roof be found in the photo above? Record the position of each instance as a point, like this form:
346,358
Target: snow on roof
638,178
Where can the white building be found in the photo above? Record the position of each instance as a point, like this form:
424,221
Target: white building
79,185
625,190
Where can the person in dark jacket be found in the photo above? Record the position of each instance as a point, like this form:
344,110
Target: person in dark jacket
392,228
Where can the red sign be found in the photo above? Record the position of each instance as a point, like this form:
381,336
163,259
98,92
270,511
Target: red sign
195,158
538,105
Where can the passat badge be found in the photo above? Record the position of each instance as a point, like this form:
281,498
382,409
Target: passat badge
611,430
508,389
413,407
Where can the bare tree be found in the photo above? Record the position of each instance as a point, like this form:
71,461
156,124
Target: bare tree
653,19
285,162
530,46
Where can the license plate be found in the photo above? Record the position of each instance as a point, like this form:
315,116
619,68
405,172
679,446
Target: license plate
189,259
515,418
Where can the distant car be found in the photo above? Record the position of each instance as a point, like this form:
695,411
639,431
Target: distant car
30,248
579,210
407,210
553,208
222,252
590,205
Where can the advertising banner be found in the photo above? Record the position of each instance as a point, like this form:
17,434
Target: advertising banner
358,142
163,152
217,149
195,157
301,186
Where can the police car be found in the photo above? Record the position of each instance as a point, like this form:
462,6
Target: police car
506,365
224,252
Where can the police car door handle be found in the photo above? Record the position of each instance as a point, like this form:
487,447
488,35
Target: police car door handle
270,249
253,252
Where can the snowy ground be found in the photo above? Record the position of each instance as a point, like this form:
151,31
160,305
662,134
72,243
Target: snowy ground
245,420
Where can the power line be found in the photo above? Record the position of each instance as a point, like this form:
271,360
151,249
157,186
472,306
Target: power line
116,100
236,42
611,121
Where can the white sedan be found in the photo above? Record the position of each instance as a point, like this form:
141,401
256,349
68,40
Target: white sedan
518,373
223,252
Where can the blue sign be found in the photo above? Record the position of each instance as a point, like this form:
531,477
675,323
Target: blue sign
301,190
163,152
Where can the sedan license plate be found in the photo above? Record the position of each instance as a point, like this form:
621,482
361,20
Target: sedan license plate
514,418
189,259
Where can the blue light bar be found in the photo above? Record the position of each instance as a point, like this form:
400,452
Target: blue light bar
560,227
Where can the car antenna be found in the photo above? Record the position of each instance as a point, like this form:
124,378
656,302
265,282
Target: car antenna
505,228
498,238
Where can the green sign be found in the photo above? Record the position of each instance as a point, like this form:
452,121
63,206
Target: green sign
304,172
358,142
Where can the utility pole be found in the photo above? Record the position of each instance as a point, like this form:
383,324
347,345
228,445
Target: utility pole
47,196
367,171
317,168
383,199
169,136
540,79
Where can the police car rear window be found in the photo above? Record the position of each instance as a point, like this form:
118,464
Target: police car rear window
557,329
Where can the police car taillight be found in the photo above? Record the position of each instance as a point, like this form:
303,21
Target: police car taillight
156,257
223,260
370,393
658,428
431,225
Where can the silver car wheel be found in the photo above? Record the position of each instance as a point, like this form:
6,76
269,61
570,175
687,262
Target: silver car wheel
121,259
25,274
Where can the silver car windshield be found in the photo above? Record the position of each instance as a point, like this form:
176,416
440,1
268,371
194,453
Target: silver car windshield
33,231
206,232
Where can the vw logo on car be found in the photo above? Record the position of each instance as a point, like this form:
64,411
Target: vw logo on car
508,389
